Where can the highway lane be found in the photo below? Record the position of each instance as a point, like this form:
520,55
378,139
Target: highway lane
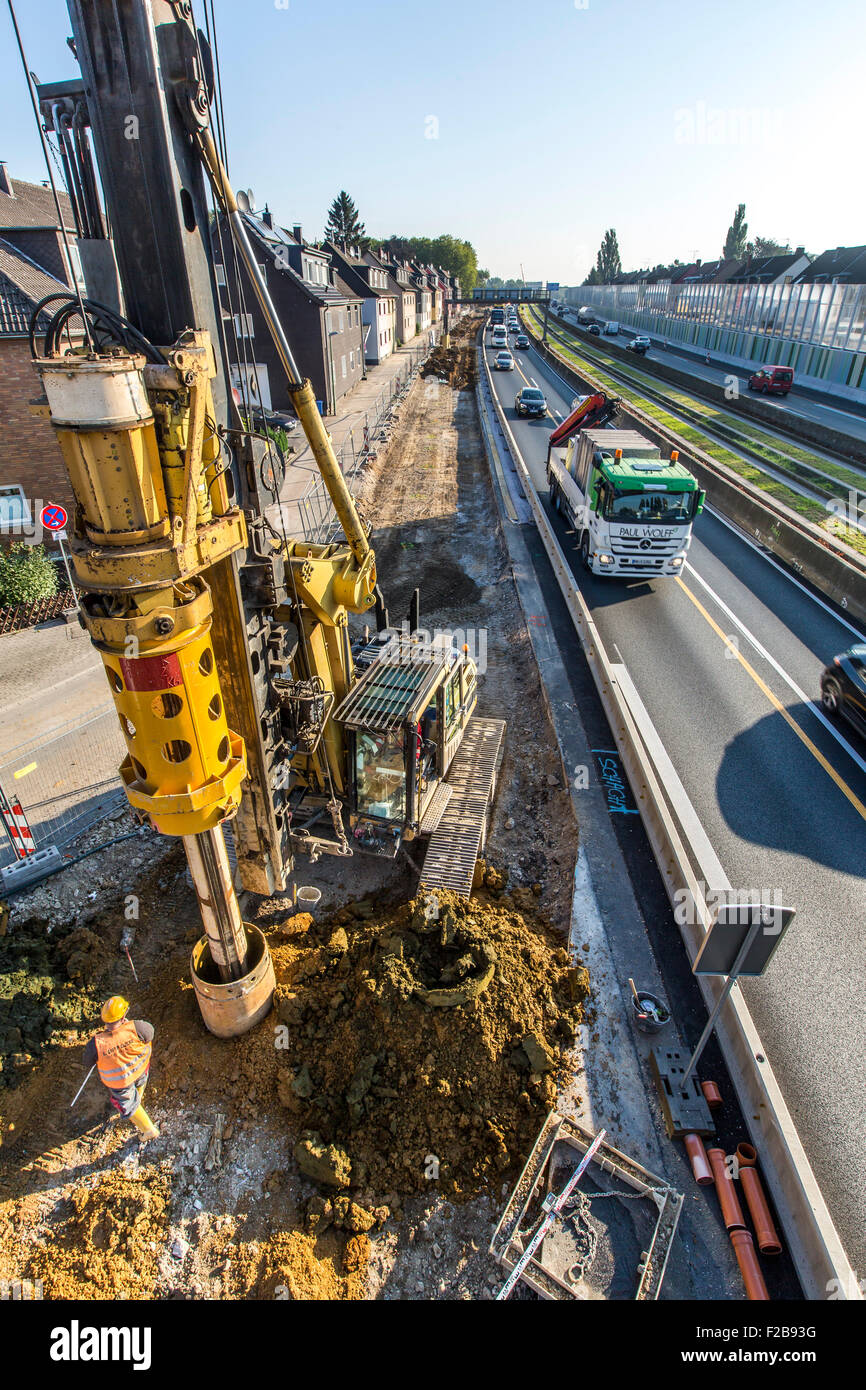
782,799
846,416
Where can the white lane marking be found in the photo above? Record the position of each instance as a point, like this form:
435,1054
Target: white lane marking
558,413
780,670
535,383
741,535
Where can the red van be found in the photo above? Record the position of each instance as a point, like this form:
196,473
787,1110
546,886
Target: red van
775,380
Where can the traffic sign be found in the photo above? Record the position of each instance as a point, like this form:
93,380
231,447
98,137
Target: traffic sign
53,518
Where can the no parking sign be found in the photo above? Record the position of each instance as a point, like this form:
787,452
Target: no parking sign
53,518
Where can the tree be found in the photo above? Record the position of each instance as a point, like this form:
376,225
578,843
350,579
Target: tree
767,246
344,224
735,247
452,254
26,574
607,263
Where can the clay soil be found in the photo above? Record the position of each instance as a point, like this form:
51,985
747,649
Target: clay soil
360,1142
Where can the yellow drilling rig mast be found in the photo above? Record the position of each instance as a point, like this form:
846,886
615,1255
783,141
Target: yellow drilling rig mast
226,646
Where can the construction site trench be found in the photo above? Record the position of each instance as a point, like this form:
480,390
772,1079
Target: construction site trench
360,1142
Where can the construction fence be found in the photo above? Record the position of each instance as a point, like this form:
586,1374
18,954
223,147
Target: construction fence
318,521
55,787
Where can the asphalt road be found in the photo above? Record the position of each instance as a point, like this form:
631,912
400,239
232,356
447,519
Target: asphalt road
782,799
842,417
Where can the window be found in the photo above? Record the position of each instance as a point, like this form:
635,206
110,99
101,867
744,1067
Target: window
380,772
343,365
14,511
351,361
220,272
243,325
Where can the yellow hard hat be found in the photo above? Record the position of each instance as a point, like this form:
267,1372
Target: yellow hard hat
115,1008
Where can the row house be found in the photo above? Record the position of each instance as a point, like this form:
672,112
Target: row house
408,323
322,314
423,296
367,277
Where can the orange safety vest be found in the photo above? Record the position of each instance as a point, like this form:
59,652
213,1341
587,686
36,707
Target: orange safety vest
121,1056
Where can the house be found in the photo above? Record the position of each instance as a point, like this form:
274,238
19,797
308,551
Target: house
29,222
321,313
423,296
844,265
437,290
404,291
366,277
32,471
771,270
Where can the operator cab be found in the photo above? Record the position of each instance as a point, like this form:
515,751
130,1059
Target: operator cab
403,721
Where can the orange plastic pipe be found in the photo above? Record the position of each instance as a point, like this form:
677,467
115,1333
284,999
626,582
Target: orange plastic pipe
712,1094
744,1249
765,1231
732,1212
698,1159
747,1155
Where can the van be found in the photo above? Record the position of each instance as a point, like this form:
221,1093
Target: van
500,337
775,381
611,328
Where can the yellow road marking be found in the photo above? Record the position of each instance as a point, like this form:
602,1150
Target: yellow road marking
777,704
23,771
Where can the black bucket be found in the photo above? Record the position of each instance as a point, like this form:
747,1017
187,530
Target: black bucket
650,1015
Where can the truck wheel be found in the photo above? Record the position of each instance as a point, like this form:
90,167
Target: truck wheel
584,552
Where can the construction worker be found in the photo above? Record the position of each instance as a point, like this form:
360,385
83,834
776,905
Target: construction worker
121,1052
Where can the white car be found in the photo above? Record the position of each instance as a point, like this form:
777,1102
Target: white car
504,362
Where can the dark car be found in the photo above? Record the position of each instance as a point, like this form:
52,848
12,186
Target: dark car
521,341
594,330
641,345
530,401
773,381
843,686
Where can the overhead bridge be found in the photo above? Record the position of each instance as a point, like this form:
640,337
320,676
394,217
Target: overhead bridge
461,831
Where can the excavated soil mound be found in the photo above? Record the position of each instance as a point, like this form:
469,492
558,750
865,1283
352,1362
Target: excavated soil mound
457,364
423,1040
48,983
293,1265
109,1243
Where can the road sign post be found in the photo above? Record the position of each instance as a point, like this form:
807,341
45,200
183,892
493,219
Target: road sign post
741,941
55,519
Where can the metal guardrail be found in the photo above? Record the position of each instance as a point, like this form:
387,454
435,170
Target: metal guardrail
66,780
688,864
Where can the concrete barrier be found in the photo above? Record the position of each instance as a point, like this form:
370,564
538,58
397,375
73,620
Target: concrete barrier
807,431
686,862
833,567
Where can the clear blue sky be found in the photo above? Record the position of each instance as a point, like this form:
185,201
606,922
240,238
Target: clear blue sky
655,117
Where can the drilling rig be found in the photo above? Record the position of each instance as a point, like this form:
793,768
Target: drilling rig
227,648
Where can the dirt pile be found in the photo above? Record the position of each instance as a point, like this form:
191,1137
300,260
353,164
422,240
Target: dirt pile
48,984
109,1243
423,1040
456,364
294,1265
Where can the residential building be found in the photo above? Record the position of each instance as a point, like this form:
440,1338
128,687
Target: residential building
29,222
844,265
366,276
32,471
321,313
423,296
404,293
772,270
